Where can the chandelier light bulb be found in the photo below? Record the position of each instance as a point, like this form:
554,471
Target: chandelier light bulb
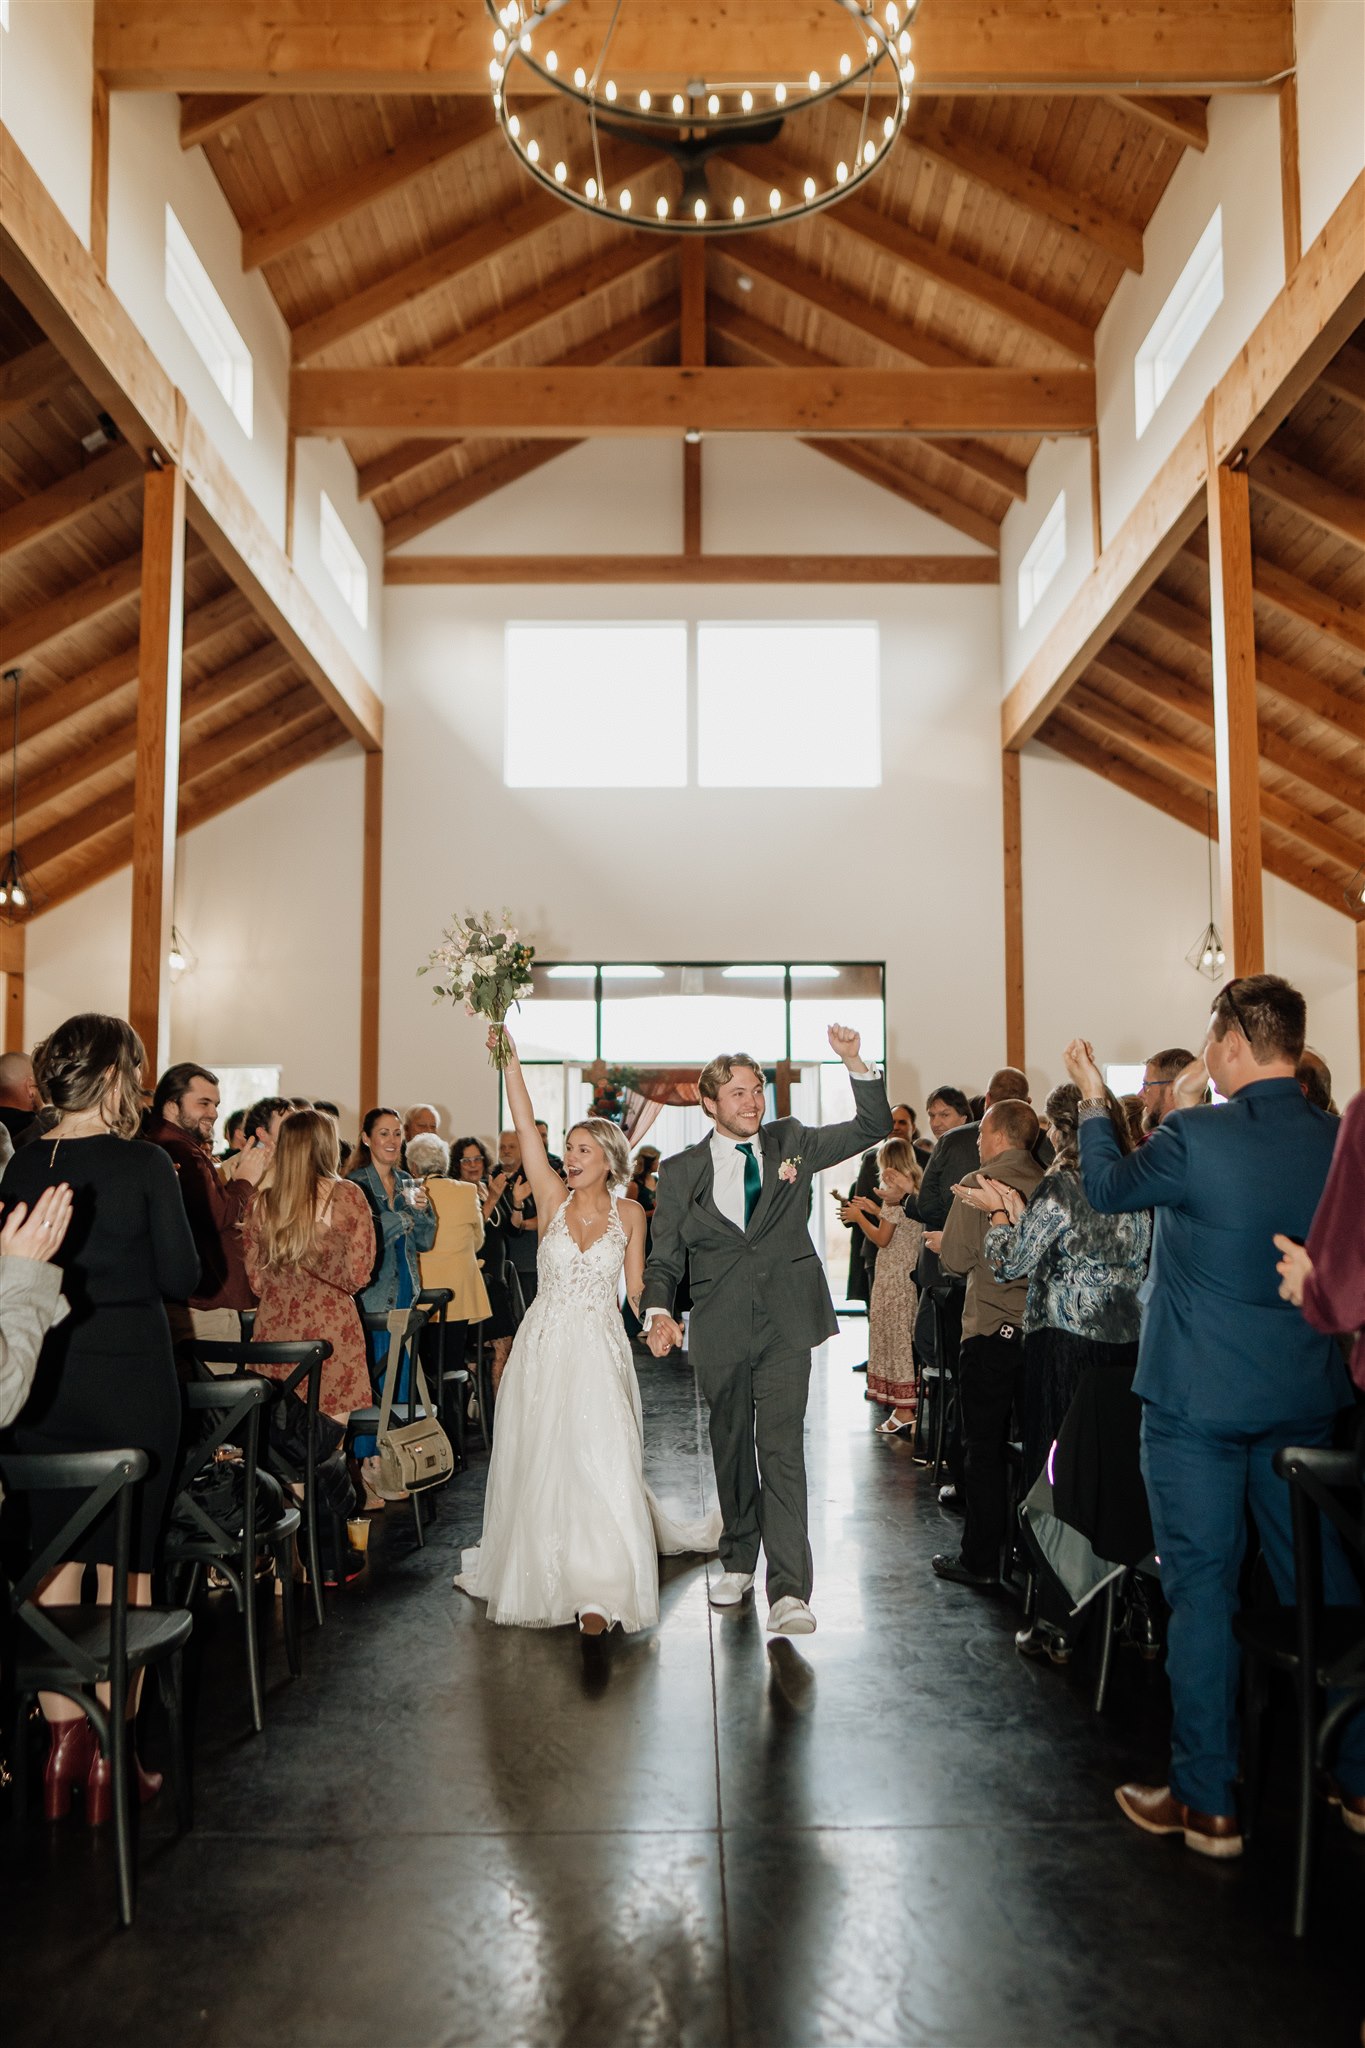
781,95
678,103
889,127
869,152
700,209
625,200
644,101
814,81
872,46
841,173
845,65
533,151
499,40
809,188
561,172
611,91
551,61
746,101
713,105
514,127
661,207
495,71
893,19
907,74
905,42
738,209
524,39
775,200
580,78
591,188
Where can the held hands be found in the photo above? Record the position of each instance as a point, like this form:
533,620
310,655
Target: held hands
846,1045
664,1335
37,1234
1083,1068
1294,1267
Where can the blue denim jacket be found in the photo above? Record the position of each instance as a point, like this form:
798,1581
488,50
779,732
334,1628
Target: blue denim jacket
403,1233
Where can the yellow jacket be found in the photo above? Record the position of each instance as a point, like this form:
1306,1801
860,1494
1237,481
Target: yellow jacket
451,1260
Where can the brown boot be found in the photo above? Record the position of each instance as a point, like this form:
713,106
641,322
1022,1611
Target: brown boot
1156,1810
69,1758
99,1788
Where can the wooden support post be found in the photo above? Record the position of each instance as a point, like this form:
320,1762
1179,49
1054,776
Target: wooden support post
156,786
12,1038
782,1086
1236,738
99,175
372,853
692,354
1289,175
1014,910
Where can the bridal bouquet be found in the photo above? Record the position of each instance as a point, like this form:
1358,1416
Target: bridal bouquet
485,966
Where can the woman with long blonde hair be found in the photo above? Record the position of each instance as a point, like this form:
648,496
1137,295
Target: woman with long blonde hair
310,1248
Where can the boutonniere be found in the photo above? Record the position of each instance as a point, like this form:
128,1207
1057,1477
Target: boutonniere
787,1170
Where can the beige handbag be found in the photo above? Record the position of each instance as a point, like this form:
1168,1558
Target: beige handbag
415,1455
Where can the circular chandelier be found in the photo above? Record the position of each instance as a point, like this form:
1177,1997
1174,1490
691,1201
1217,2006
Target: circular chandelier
689,121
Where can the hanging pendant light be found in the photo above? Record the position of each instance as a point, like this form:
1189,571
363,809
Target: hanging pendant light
17,894
1206,956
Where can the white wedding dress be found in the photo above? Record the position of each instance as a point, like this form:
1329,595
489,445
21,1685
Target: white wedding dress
568,1519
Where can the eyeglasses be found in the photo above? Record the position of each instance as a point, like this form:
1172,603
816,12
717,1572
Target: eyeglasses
1238,1016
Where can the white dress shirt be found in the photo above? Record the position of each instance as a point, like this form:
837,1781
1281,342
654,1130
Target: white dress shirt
727,1166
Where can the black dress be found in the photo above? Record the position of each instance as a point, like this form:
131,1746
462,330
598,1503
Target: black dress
106,1377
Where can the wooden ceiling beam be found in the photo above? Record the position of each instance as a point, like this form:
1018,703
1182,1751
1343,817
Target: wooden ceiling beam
1294,685
49,512
981,288
28,378
206,115
328,204
769,344
1336,511
1281,591
1344,376
1074,212
352,46
764,256
1178,120
409,570
516,322
1181,803
552,402
25,635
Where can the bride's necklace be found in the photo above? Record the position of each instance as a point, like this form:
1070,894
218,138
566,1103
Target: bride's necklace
568,1224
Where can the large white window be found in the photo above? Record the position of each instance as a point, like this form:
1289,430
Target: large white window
1195,298
1042,559
788,706
193,298
342,559
596,706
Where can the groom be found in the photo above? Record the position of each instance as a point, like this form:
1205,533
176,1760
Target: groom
734,1209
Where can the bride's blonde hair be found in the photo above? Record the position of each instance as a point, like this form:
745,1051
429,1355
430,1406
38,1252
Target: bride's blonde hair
610,1140
286,1212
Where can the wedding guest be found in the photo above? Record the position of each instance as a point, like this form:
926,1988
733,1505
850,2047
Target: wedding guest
472,1163
308,1249
886,1222
6,1150
19,1097
328,1109
406,1227
517,1217
263,1120
234,1134
181,1121
1314,1076
1228,1373
1083,1271
863,1247
30,1290
1158,1085
106,1377
552,1158
1326,1276
1134,1114
990,1359
645,1177
422,1120
453,1259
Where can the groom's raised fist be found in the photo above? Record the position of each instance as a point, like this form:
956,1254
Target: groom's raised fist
664,1335
844,1043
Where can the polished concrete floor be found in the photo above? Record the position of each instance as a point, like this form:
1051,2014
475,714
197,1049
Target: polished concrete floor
453,1834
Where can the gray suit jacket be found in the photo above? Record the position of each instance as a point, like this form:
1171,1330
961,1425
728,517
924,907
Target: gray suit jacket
773,1263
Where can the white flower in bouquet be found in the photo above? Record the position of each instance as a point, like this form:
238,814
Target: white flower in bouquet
485,966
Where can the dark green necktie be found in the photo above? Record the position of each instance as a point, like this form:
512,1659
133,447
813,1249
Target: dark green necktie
753,1182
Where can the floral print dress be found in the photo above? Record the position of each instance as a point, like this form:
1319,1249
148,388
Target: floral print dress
891,1312
317,1299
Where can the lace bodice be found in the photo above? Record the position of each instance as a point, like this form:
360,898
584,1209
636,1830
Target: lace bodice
570,1278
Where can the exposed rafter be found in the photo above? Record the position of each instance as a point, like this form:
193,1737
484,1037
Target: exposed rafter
48,513
28,378
23,636
205,115
1344,376
408,570
1075,212
1280,591
1294,685
1336,511
1178,120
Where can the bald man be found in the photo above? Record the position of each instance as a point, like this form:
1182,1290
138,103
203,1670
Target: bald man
19,1098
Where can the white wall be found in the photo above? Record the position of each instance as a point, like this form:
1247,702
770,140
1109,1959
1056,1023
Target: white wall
147,170
76,957
1061,465
1240,170
1331,52
1115,894
46,87
325,466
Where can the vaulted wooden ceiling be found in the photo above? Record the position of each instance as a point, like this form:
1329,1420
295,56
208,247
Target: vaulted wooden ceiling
1142,714
399,230
70,531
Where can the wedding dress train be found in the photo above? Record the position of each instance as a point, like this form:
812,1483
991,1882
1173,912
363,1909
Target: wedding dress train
568,1519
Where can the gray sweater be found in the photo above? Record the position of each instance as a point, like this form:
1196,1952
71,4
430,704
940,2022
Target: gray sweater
30,1303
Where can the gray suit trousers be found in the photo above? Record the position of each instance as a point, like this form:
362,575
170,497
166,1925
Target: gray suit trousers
758,1426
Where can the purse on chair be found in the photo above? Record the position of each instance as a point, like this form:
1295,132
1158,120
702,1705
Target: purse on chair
414,1455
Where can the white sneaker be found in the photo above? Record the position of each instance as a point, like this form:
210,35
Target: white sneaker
729,1589
790,1617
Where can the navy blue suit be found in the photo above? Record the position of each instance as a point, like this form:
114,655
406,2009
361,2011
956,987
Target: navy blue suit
1228,1374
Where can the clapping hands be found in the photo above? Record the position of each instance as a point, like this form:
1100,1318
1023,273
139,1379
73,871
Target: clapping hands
1083,1068
38,1233
991,1195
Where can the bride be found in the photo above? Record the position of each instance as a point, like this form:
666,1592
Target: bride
570,1530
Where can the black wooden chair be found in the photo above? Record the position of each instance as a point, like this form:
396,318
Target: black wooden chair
1320,1648
72,1650
365,1421
198,1538
303,1381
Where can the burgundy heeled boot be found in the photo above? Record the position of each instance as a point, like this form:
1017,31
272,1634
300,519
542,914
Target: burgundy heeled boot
69,1758
99,1788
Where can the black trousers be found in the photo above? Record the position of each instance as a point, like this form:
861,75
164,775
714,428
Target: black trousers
989,1379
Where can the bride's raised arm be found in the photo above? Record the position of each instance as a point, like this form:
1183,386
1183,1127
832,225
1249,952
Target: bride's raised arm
548,1189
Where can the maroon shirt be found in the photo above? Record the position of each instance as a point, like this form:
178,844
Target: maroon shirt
215,1209
1334,1296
